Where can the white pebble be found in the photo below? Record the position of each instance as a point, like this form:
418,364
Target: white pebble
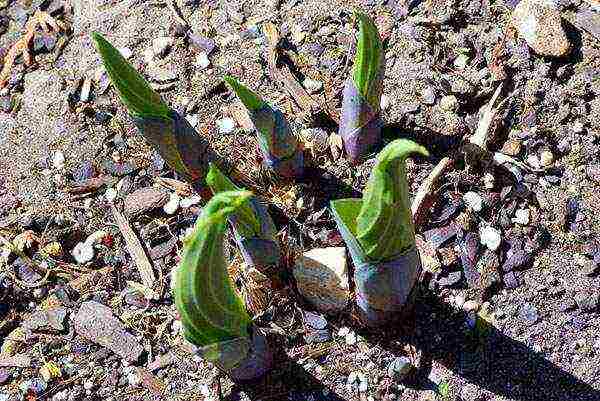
343,332
110,195
58,160
226,125
461,61
449,103
86,90
189,201
488,180
172,205
83,253
490,237
193,119
88,385
160,46
202,61
351,338
312,85
546,158
533,161
385,102
125,52
133,379
473,201
521,217
578,127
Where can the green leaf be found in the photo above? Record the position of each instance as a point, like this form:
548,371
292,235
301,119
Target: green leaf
247,222
384,225
135,92
369,53
211,311
250,99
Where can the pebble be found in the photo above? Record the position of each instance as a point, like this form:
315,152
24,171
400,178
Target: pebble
86,90
226,125
351,338
512,147
490,237
471,306
521,217
587,300
110,195
58,160
172,205
399,368
474,201
449,103
357,381
489,180
125,52
190,201
546,158
539,23
313,86
428,96
385,102
144,200
578,127
461,61
83,253
161,46
322,278
529,314
202,61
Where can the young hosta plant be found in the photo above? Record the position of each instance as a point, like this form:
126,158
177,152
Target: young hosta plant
361,123
252,225
280,149
213,316
379,233
171,134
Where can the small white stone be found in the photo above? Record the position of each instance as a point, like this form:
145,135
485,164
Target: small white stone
490,237
578,127
88,203
193,119
58,160
385,102
428,95
489,180
473,201
471,306
521,217
202,61
133,379
59,180
110,195
226,125
351,338
449,103
533,161
86,90
459,301
173,204
546,158
312,85
343,332
160,46
189,201
88,385
83,253
461,61
125,52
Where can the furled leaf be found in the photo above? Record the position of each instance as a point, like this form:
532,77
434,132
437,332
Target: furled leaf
211,310
250,99
369,53
141,100
246,220
384,225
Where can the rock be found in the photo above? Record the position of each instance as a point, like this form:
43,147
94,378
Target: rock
18,361
58,160
450,280
357,381
490,237
144,200
110,195
546,158
461,61
172,205
399,368
51,319
512,147
97,323
521,217
83,253
539,23
385,102
529,314
428,96
226,125
190,201
449,103
587,300
86,90
313,86
202,61
161,46
322,278
474,201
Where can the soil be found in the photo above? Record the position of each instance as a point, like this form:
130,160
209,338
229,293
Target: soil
531,330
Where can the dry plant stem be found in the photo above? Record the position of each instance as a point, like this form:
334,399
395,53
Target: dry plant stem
174,7
283,75
30,262
136,250
21,46
482,134
426,188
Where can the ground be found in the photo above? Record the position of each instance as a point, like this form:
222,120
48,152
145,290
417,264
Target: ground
530,331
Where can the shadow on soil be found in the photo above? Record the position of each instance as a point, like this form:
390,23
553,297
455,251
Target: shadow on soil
488,359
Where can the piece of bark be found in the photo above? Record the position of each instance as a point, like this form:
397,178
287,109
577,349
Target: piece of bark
144,200
90,185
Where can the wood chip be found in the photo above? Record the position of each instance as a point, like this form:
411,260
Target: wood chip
136,249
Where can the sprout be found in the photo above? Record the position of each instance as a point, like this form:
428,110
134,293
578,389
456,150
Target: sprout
280,149
361,122
212,314
379,233
174,138
253,227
